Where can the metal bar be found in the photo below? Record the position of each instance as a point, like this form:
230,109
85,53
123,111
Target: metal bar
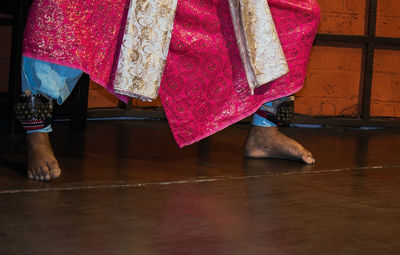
360,39
345,41
347,121
369,60
158,114
342,38
387,43
356,41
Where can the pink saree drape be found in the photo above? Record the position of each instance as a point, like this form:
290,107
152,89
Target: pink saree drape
204,86
82,34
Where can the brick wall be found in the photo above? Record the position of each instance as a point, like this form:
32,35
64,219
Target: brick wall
388,20
332,83
342,16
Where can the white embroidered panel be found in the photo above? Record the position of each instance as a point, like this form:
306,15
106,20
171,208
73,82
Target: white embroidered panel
144,48
258,41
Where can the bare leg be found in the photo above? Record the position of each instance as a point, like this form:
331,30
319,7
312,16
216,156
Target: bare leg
42,164
268,142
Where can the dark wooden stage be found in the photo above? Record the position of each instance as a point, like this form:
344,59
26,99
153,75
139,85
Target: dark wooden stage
127,188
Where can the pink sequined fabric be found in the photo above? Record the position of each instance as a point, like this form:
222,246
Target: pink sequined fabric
204,87
82,34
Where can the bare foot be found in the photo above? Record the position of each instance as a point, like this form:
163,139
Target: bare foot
42,164
268,142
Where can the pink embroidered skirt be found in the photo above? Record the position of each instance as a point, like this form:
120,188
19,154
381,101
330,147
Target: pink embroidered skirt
204,87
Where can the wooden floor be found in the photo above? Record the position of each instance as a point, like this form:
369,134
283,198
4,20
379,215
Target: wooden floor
127,188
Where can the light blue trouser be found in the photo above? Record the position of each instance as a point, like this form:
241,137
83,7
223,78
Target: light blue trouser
261,121
52,80
57,82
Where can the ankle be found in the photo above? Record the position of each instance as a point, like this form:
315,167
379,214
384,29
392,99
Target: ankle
265,131
37,139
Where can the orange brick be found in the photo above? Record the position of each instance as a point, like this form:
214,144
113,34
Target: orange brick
335,59
332,83
342,16
385,109
99,97
386,87
388,18
385,95
94,86
326,107
387,61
